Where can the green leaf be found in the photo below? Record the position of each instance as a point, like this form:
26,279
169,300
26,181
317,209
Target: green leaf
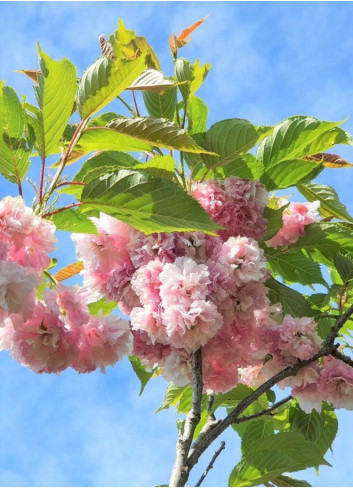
112,159
185,400
55,95
323,240
73,221
285,481
147,203
293,303
107,139
256,431
190,76
141,372
172,396
158,132
14,155
309,425
344,267
151,80
295,267
229,139
330,205
298,137
159,166
197,112
232,398
102,306
329,430
127,44
102,119
290,173
273,455
274,221
104,80
246,166
161,106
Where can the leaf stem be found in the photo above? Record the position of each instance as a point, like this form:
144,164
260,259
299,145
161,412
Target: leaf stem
41,180
62,184
56,211
128,106
64,159
135,102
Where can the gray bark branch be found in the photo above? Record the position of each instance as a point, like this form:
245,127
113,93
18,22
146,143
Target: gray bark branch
180,472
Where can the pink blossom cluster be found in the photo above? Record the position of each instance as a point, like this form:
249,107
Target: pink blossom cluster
187,290
295,217
25,241
235,204
60,333
57,332
280,343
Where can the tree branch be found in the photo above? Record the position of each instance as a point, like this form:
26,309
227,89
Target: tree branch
180,470
269,410
342,357
210,465
212,433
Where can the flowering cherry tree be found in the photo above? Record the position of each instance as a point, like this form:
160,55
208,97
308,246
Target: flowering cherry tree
179,227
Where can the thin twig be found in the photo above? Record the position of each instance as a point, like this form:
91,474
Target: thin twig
264,412
210,465
135,102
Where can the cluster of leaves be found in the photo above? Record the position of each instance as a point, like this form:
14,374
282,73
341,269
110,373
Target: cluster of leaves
153,196
287,440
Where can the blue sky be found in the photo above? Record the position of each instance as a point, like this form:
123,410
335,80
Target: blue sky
270,60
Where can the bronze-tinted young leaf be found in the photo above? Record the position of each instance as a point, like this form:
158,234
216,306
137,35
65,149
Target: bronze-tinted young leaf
330,160
33,74
69,271
184,36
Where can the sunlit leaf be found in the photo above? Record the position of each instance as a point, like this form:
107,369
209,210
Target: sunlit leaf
156,132
151,80
104,80
146,203
55,95
14,153
163,105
